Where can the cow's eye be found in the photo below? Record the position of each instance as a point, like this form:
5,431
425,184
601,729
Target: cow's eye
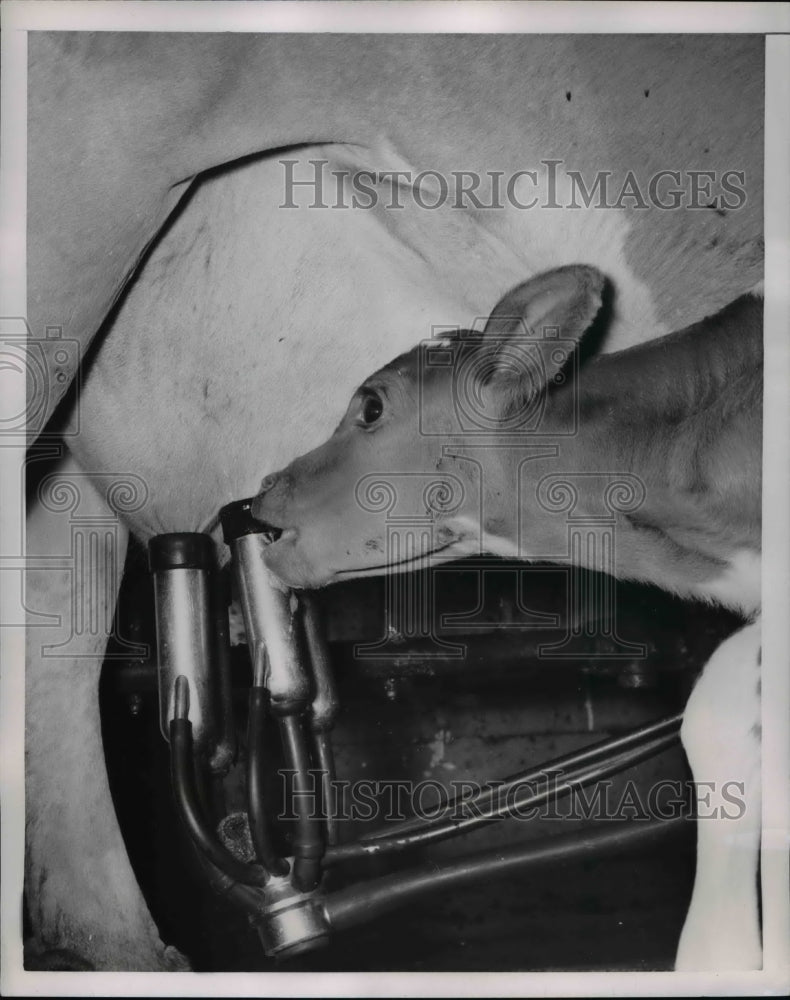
372,408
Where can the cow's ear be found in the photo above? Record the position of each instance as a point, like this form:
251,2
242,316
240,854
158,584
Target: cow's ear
546,313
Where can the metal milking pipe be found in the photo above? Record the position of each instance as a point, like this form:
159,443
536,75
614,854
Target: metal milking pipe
269,611
194,709
189,640
323,709
291,914
271,620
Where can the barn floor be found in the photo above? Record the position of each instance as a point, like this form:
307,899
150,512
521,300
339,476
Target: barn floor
495,711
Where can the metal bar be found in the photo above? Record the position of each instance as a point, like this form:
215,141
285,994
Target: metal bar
326,763
225,751
324,707
447,828
366,901
576,759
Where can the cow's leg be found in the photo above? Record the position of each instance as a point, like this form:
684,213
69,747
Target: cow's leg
721,736
84,902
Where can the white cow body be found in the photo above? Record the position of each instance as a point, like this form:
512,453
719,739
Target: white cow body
250,326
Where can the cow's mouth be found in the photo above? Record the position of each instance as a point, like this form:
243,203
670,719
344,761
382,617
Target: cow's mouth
278,539
297,569
445,553
277,535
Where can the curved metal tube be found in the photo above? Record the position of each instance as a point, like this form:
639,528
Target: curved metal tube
442,829
360,903
258,704
308,846
248,898
181,763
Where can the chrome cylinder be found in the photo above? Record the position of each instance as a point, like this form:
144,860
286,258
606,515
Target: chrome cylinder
270,613
181,564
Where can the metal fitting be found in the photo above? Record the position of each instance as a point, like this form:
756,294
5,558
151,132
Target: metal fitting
292,922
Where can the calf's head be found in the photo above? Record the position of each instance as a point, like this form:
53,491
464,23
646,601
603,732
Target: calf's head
390,487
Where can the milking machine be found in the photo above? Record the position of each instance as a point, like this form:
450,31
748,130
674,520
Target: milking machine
293,692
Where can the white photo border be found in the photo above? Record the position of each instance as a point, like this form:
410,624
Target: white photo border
771,19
